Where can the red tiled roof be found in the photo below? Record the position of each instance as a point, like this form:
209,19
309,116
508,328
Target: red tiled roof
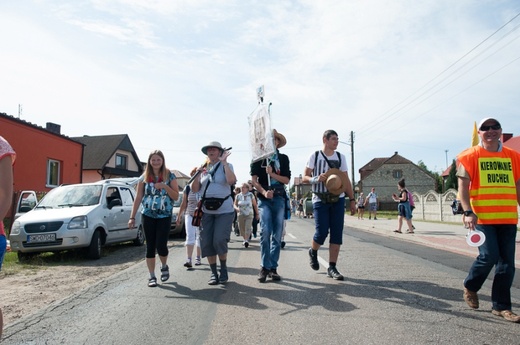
513,143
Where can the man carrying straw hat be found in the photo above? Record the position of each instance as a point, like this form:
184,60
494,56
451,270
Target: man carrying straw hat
326,171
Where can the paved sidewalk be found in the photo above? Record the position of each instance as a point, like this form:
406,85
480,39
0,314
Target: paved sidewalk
450,237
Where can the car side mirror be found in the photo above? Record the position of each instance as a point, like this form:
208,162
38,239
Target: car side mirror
25,209
114,202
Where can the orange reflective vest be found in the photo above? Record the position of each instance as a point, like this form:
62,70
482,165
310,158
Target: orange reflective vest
492,189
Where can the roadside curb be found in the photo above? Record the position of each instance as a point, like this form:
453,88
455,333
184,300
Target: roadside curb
445,236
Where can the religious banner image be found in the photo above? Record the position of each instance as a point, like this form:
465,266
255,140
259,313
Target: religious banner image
260,133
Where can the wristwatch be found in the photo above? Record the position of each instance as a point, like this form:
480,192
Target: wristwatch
468,212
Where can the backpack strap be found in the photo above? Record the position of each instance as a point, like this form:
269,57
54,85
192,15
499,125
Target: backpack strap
315,159
328,162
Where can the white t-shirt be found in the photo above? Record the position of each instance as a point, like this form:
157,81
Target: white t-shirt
372,198
321,167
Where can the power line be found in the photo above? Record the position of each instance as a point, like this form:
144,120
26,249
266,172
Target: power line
389,113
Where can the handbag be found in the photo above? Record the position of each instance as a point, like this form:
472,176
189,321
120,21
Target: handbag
197,215
213,204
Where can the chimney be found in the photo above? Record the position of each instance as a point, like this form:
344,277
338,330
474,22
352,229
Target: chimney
53,128
506,137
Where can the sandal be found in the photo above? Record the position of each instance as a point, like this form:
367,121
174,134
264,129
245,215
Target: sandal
408,231
152,282
398,231
165,274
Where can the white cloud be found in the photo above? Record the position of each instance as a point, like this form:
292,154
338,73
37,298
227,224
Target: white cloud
175,75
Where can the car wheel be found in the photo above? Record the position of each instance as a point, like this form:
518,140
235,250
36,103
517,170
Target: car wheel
139,240
94,249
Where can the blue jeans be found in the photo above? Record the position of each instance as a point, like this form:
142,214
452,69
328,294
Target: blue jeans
271,227
329,217
499,250
3,248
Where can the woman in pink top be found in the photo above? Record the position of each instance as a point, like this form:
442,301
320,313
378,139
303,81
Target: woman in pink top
7,158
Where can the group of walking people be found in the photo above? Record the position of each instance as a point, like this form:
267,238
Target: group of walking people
326,172
211,191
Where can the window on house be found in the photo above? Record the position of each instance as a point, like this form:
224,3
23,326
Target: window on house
121,161
53,173
397,173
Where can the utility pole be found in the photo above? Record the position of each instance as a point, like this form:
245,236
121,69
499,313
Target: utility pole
351,144
352,156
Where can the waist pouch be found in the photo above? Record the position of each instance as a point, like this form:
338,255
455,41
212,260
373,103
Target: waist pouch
327,198
213,204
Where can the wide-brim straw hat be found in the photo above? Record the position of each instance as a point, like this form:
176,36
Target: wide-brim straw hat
280,137
212,144
336,181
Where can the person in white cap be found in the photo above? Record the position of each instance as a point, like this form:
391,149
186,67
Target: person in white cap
489,185
326,170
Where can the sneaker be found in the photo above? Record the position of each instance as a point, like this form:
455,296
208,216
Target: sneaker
197,262
315,265
471,298
223,276
262,276
333,272
282,244
213,279
187,264
152,282
274,275
507,314
254,235
165,273
246,244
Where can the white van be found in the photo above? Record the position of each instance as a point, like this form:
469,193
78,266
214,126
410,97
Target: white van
87,215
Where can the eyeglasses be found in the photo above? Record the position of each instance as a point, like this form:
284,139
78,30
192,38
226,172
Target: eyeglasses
487,128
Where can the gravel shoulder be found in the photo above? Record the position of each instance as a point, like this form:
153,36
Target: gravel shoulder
60,276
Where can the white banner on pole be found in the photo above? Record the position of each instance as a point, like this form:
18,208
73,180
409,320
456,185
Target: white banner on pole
260,133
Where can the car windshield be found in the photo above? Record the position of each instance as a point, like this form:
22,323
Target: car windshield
68,196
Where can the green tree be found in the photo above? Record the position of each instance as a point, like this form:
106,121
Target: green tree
451,181
437,176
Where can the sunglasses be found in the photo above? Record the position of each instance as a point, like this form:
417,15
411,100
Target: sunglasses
487,128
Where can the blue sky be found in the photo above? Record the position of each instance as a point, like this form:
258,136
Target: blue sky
404,75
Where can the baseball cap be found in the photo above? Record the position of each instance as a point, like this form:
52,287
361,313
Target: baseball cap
487,119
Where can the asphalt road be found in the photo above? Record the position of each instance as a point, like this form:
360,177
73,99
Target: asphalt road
396,291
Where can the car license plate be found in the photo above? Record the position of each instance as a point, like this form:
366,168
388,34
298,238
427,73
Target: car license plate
41,238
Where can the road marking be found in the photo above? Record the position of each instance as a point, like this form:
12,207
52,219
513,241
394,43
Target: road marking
323,262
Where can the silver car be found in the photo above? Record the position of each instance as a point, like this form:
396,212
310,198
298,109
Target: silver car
87,215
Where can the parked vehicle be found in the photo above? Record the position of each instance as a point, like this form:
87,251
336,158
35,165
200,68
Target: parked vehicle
177,230
75,216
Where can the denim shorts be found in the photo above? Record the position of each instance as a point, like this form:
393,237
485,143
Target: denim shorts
329,218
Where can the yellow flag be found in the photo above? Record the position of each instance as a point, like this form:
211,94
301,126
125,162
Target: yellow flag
474,137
